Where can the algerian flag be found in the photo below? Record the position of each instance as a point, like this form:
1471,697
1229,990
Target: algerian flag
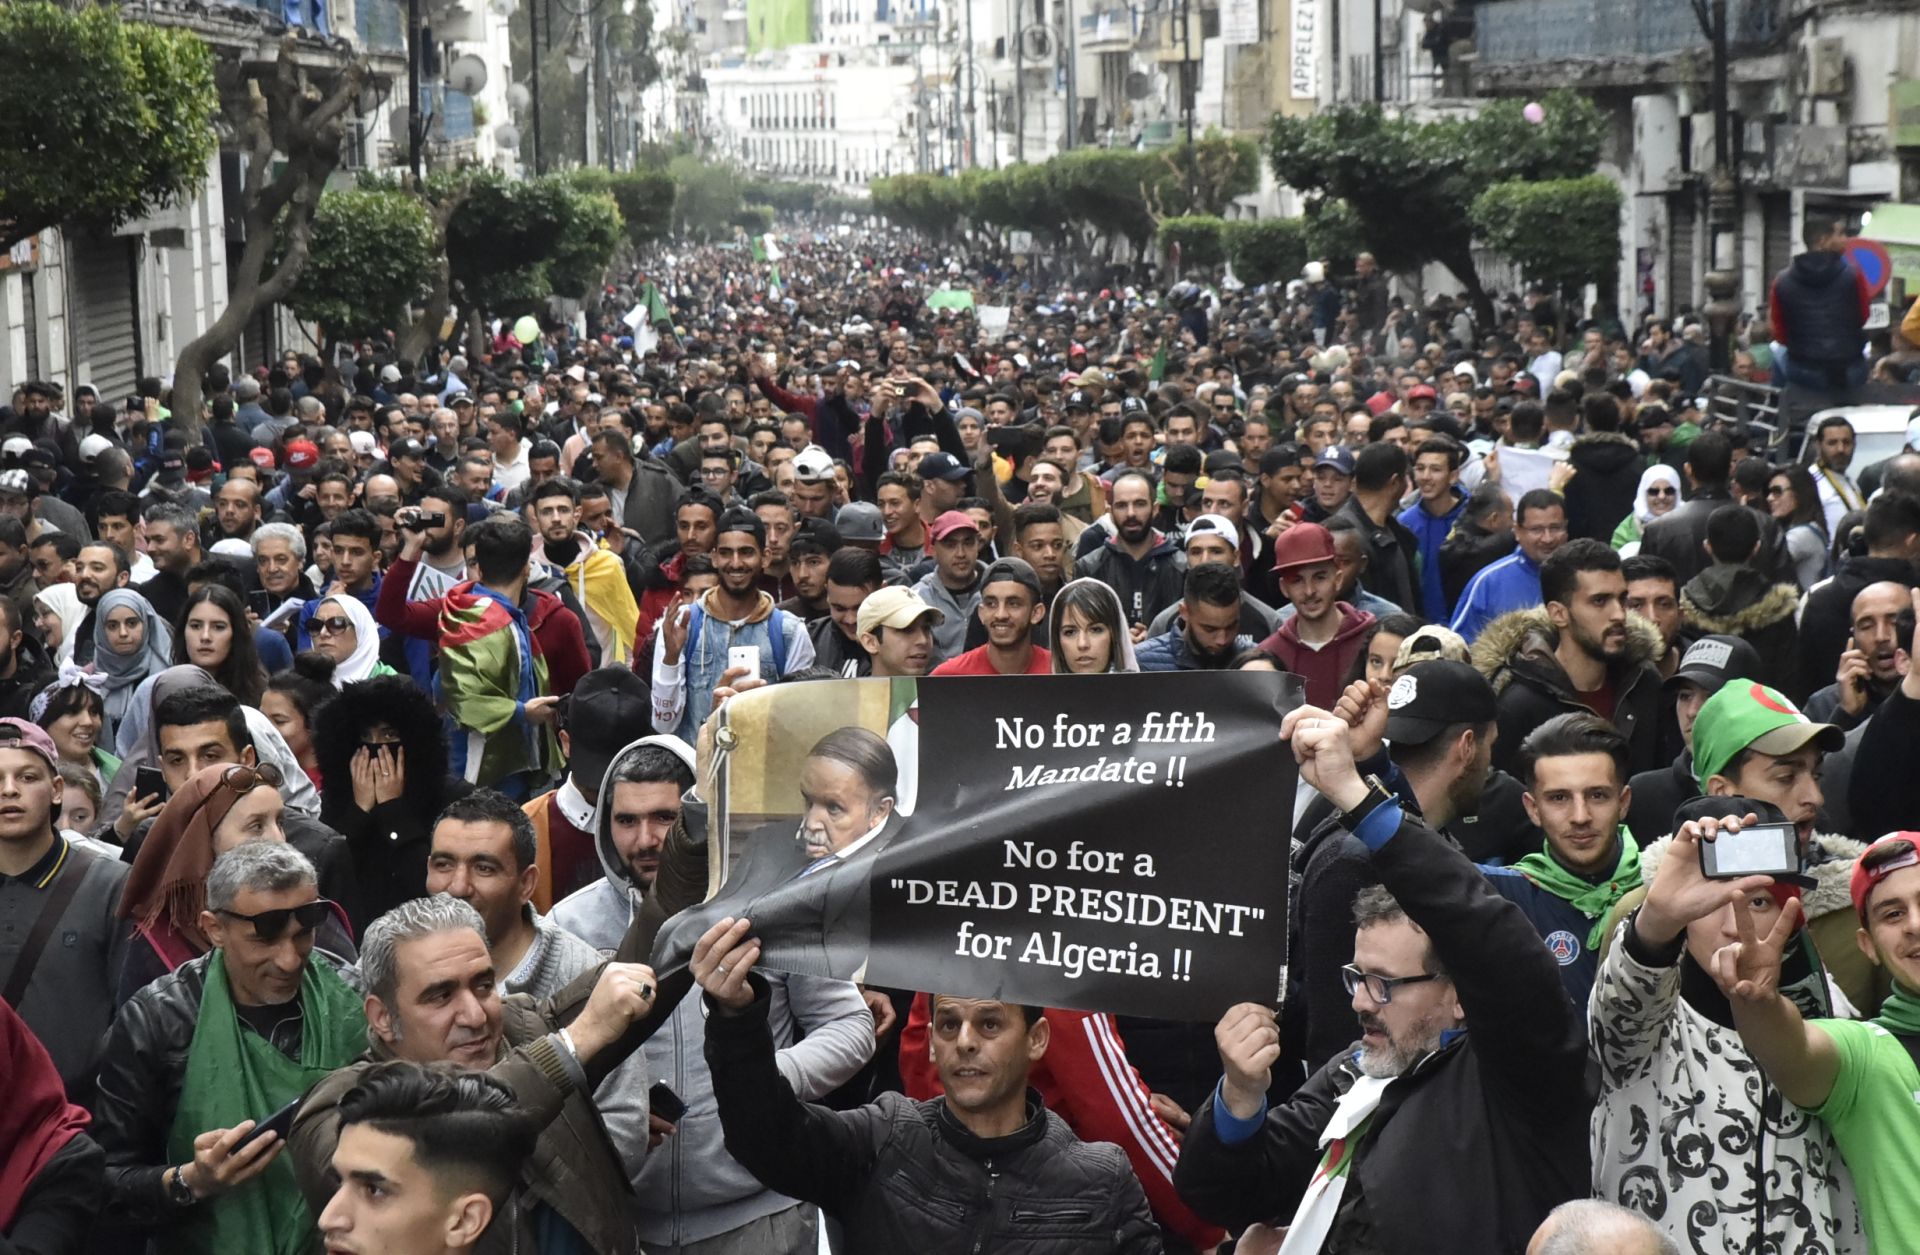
758,246
950,298
903,737
771,248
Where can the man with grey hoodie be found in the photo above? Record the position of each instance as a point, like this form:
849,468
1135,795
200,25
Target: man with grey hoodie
692,1197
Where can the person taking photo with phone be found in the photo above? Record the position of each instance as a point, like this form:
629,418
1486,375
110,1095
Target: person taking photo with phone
1675,1073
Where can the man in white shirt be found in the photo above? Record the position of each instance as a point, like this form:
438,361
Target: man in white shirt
1838,493
506,433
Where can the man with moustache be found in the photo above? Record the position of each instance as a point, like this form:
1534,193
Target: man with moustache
1467,1041
99,569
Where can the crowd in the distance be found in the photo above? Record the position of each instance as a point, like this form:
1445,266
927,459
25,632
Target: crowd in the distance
348,774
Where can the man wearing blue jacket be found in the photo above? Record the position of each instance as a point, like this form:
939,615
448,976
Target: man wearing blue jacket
1575,769
1513,583
1436,476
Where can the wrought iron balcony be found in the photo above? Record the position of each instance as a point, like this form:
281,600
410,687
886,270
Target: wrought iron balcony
1514,33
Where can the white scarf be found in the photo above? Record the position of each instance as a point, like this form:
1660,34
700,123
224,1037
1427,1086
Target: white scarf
1313,1219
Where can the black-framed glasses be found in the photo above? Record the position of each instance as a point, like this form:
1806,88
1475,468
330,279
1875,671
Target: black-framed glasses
272,925
335,626
1379,988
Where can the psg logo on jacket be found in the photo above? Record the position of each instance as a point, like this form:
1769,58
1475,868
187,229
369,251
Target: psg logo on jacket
1564,946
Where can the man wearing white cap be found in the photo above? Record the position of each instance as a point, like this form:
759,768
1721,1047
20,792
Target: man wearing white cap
1214,538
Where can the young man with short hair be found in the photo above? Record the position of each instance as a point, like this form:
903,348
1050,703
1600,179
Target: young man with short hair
845,1161
1207,634
426,1158
852,576
1513,582
896,629
1321,640
813,545
1010,609
1436,478
696,636
1577,652
1575,769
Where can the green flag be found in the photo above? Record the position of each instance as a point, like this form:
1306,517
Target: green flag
950,298
1157,368
759,246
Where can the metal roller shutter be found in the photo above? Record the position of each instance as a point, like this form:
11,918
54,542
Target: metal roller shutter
106,327
1776,234
1682,215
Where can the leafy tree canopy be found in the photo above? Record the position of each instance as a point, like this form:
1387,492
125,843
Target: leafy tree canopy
370,255
105,119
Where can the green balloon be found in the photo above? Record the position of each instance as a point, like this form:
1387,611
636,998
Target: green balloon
527,330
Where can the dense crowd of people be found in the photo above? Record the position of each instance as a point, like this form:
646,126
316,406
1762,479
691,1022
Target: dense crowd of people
348,774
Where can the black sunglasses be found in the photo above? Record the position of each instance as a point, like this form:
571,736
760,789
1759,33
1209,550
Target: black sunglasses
329,627
272,925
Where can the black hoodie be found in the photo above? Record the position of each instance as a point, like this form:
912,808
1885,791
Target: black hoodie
1608,467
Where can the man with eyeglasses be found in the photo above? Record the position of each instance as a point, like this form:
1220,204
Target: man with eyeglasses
1467,1042
1513,582
199,1058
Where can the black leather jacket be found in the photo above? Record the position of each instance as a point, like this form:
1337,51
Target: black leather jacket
907,1176
141,1071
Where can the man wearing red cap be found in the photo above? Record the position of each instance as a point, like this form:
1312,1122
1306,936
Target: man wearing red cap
1858,1077
1321,640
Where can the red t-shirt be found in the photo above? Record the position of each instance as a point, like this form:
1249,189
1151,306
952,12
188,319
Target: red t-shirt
1599,701
976,662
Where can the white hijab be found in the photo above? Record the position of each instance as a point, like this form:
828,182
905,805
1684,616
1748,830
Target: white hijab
1657,474
366,635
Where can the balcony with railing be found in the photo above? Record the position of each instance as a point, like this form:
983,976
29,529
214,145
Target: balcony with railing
1513,34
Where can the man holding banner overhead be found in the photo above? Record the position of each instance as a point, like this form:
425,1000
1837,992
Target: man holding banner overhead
1459,1119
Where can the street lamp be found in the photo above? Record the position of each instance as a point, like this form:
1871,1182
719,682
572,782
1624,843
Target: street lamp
1723,197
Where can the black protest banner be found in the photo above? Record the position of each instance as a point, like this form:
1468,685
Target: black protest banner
1114,843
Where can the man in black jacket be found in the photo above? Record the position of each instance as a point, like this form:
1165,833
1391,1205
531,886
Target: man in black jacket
1893,550
1678,536
986,1161
1468,1044
1379,481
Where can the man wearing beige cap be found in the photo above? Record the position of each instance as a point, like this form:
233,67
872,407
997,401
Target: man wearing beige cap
896,628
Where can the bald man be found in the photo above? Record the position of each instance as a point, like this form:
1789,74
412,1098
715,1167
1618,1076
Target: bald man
1590,1227
1874,660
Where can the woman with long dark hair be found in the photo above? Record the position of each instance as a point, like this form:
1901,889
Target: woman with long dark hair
1794,503
381,749
1087,630
293,701
213,634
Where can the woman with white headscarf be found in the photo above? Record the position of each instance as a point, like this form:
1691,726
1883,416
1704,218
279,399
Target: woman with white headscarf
343,629
1658,494
131,642
58,613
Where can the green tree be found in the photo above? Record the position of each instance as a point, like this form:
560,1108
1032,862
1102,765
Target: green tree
645,197
1202,239
929,203
514,243
1266,250
370,259
754,219
707,195
1411,184
108,119
289,120
1564,233
1223,167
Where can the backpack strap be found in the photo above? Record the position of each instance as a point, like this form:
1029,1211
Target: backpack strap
777,641
59,898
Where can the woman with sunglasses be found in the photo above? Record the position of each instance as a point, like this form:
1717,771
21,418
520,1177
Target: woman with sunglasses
213,634
219,808
131,643
1658,494
343,629
1794,503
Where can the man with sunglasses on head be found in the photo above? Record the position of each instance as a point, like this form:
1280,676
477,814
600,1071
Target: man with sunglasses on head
196,1060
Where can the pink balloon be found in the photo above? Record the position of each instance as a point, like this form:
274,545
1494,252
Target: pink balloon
1534,113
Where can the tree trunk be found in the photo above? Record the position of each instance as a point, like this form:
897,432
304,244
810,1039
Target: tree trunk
417,337
281,114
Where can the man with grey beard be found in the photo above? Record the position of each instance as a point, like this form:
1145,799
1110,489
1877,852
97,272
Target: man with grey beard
1459,1119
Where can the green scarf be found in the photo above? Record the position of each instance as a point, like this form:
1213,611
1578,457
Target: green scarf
1591,900
234,1074
1900,1013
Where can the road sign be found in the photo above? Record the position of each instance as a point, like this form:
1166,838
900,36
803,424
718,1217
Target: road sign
1870,256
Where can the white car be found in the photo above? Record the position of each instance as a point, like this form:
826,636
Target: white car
1879,431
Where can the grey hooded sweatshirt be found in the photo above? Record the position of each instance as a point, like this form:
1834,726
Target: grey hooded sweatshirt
689,1189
